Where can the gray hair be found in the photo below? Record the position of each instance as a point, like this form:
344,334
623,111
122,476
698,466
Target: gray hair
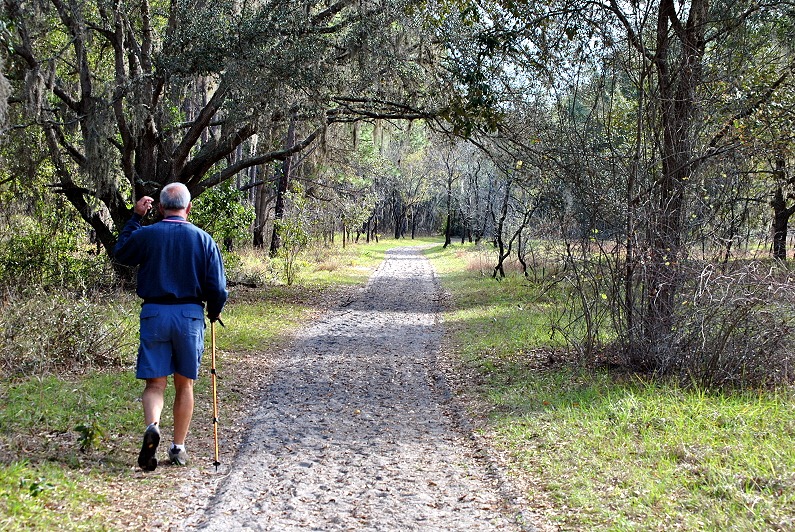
174,197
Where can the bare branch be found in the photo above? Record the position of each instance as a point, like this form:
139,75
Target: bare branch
276,155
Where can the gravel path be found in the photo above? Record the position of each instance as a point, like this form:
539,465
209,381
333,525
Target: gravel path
355,431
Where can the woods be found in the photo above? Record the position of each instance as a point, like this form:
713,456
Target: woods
604,189
646,148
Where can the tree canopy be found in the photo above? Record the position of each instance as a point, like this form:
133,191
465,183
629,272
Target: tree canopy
130,96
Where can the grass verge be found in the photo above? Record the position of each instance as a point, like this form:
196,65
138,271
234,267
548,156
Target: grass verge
610,451
43,497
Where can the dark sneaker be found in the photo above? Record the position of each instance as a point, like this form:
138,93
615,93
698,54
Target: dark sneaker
178,456
146,458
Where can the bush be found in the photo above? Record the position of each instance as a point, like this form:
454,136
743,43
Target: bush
47,333
732,325
294,233
249,267
734,329
35,255
222,212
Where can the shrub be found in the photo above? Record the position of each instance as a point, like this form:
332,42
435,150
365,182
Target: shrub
294,234
733,329
249,266
221,211
46,333
732,325
38,255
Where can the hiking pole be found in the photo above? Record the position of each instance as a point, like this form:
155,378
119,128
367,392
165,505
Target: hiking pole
216,463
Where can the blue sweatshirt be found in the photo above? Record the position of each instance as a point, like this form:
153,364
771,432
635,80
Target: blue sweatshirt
179,263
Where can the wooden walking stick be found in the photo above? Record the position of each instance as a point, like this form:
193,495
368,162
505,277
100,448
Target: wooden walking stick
216,463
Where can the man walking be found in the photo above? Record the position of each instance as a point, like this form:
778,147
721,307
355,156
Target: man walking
180,269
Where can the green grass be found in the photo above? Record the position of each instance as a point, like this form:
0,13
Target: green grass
612,451
63,439
43,497
630,456
51,404
349,266
504,318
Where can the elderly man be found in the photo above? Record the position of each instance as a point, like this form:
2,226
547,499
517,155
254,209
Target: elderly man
180,269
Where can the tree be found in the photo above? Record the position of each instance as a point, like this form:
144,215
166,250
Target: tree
678,59
405,178
185,86
636,108
221,212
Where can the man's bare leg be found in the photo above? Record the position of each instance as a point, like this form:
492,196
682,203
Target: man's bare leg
183,407
152,399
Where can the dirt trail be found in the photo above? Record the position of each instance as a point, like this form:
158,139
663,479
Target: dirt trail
354,430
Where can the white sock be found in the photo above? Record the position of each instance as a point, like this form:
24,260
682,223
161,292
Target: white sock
178,447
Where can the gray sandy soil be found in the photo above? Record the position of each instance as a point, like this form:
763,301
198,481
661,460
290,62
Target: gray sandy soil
356,430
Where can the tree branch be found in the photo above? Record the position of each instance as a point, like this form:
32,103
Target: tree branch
212,152
747,111
276,155
192,136
330,11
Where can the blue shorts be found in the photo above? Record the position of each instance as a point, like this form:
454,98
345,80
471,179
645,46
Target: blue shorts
172,340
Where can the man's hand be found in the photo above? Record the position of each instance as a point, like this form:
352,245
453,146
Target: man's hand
143,205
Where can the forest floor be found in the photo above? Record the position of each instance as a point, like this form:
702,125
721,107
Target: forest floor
351,427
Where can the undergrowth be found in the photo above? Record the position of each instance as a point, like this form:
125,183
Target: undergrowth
46,331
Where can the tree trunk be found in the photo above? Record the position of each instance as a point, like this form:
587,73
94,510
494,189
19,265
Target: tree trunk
447,228
781,216
281,190
261,209
520,255
465,229
499,241
398,214
677,111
